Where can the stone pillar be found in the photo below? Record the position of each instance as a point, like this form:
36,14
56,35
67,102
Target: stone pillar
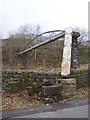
66,60
23,59
74,53
68,86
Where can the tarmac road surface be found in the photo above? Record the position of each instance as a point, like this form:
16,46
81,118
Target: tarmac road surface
76,112
70,109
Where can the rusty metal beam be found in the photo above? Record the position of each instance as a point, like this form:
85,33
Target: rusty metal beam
58,36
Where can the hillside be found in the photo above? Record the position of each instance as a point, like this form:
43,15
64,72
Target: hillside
45,57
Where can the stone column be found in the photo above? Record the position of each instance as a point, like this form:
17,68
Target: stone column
66,60
23,59
68,86
74,53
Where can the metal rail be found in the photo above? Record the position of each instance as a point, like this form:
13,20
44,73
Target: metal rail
53,31
58,36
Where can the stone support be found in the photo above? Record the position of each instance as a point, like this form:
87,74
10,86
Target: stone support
68,86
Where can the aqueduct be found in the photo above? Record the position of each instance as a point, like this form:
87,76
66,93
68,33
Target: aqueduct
69,59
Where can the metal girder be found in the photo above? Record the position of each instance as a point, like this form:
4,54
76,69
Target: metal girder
58,36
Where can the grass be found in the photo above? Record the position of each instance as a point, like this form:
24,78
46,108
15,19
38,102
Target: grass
80,93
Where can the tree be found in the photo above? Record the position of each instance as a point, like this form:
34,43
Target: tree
18,41
83,35
25,31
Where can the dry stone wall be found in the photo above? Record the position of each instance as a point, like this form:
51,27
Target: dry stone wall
12,77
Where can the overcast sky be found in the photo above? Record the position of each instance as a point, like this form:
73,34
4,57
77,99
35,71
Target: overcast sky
49,14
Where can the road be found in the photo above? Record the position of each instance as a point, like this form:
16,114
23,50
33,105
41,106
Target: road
76,112
69,109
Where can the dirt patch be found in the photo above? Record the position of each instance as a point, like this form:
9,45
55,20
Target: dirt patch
20,100
13,101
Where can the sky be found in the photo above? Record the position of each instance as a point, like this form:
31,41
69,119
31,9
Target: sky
49,14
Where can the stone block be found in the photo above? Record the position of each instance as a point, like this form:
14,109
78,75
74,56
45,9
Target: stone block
68,81
68,86
51,90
